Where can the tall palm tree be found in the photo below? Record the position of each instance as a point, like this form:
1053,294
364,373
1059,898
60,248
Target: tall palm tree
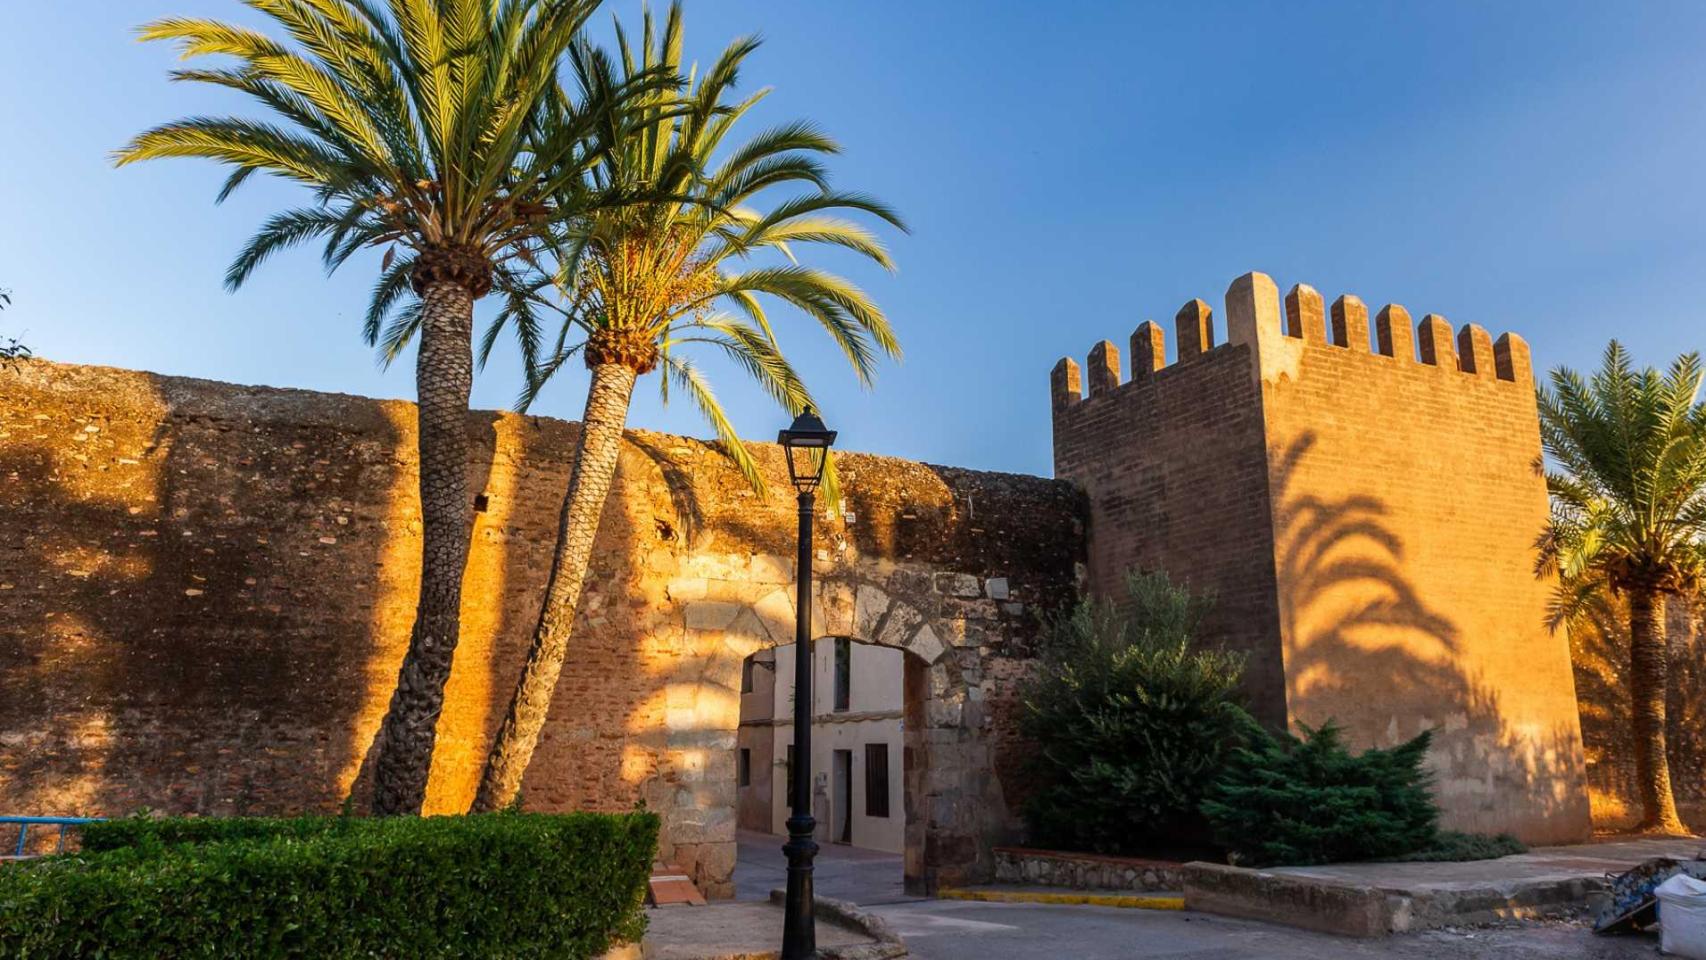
635,286
1628,515
415,126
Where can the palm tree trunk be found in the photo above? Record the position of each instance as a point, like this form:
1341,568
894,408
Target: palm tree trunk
589,487
1649,663
444,376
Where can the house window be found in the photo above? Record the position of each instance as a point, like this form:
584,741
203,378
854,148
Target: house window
876,779
746,668
843,674
743,768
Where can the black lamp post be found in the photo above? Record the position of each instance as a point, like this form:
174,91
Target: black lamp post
807,444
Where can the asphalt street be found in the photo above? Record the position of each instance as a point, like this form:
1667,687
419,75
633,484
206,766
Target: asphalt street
963,930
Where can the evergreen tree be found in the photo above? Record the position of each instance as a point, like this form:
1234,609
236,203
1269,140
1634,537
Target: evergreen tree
1290,800
1133,724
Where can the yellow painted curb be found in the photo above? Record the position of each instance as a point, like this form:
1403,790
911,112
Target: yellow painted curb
1127,901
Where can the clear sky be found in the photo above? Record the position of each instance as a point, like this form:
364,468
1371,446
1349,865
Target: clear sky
1069,168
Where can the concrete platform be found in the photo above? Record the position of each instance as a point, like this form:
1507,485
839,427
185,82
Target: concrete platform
1376,899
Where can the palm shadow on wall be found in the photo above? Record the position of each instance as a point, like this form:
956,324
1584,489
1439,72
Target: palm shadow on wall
165,643
1599,652
1365,640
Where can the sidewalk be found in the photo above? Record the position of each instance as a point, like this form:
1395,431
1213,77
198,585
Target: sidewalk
853,874
748,930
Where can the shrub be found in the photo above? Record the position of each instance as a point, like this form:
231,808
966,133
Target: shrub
1454,846
1286,800
501,885
146,831
1132,724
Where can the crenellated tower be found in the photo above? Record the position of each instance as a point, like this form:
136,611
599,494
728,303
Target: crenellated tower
1365,510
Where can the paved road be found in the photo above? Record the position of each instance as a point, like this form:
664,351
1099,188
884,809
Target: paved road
866,877
961,930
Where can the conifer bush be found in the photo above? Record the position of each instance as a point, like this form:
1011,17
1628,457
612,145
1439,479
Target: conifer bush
1132,723
1301,800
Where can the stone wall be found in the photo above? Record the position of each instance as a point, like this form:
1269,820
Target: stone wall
1085,871
1380,560
205,591
1174,463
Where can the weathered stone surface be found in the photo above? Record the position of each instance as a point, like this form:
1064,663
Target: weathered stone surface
204,600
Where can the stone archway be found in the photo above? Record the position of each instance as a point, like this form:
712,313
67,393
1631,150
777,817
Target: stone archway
954,808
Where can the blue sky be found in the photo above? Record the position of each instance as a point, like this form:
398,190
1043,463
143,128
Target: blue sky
1070,169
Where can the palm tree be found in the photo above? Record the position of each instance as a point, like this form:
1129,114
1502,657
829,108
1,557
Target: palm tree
1628,514
415,125
636,285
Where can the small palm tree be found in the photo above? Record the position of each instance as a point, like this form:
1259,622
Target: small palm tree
1628,514
415,125
635,286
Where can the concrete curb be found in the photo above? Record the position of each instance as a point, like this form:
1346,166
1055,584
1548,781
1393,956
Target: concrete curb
1083,898
889,945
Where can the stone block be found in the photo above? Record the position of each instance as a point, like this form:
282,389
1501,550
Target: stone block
775,610
957,585
870,605
925,644
714,566
770,568
711,614
898,625
686,589
834,601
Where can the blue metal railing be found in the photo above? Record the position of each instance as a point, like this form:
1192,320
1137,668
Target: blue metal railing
25,823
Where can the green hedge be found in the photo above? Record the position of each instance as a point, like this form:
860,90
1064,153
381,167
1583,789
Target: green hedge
504,885
146,831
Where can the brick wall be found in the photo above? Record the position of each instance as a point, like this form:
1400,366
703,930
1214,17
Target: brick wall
1173,466
1406,507
205,591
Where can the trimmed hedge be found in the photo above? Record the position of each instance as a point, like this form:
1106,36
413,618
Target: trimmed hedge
145,831
508,885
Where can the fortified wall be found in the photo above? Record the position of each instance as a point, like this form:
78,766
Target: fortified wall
1366,519
205,592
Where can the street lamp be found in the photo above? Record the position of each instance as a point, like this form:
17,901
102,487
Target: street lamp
807,443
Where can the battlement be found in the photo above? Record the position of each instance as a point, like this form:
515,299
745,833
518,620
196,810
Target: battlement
1254,317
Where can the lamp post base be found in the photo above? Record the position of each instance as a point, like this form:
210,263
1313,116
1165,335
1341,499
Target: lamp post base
799,926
